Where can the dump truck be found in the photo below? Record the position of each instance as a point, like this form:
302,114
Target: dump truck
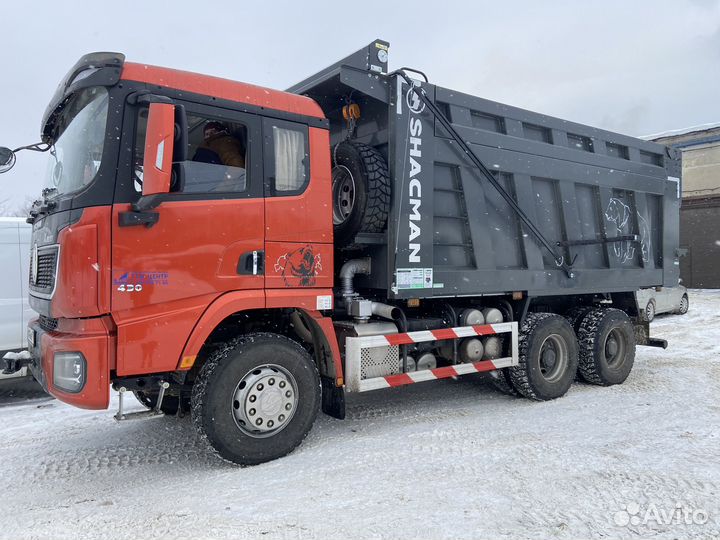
249,256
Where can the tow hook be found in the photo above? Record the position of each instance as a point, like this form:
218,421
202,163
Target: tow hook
15,361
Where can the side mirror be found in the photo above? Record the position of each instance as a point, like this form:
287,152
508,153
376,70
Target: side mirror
7,159
5,155
159,140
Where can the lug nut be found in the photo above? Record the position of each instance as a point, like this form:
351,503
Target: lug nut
251,412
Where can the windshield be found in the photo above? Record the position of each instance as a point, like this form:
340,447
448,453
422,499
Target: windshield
76,155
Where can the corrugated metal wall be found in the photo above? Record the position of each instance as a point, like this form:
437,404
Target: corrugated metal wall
700,235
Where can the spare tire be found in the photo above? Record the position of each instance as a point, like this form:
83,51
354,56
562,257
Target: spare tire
360,191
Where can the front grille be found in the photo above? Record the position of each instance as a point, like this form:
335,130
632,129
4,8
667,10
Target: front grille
47,323
44,279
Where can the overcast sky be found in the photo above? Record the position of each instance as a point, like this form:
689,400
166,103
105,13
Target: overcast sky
636,67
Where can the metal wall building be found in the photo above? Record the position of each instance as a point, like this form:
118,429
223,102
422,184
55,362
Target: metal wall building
700,208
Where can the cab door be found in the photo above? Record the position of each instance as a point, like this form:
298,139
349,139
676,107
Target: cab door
298,214
207,239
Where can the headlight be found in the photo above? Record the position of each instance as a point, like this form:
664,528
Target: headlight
69,369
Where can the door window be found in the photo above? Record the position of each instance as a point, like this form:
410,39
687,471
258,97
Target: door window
286,157
218,157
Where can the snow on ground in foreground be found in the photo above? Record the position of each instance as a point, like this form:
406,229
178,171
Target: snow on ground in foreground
452,459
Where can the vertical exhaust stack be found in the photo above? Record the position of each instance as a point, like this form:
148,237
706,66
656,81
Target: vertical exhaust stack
347,274
358,308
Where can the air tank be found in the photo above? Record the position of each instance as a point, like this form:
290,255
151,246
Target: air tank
492,315
471,317
492,347
470,350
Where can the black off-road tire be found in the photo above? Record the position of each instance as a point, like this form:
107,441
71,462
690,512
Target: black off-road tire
372,190
502,382
595,330
527,376
575,316
214,390
169,405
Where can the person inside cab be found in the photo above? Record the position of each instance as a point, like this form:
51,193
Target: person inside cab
219,147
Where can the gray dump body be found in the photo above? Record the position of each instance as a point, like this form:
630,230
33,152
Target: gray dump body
451,233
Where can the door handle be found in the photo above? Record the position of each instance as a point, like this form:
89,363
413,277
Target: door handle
251,263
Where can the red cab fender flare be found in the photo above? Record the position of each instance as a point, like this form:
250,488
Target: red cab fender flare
237,301
221,308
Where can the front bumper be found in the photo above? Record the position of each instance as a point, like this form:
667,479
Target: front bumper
95,339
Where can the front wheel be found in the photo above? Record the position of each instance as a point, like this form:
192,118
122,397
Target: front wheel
256,399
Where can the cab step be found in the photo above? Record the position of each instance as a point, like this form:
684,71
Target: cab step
155,412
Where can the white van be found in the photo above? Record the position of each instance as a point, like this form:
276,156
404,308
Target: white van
14,309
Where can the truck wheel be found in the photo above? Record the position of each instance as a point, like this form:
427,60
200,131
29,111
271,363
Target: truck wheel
576,315
169,405
360,191
548,357
607,347
256,398
650,311
501,381
684,305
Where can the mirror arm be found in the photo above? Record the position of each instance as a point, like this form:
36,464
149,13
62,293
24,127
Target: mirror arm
147,202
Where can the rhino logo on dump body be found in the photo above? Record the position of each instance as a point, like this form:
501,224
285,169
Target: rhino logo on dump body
619,213
300,267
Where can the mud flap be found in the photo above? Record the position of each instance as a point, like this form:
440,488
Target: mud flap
333,399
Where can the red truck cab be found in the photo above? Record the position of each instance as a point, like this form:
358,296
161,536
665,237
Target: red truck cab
130,276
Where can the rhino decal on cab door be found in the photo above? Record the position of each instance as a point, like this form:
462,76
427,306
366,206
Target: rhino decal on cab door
298,268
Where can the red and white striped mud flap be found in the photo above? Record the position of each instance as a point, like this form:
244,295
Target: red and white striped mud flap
355,345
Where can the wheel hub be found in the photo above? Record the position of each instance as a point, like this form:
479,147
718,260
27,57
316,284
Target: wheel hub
343,186
553,358
611,347
549,358
615,348
264,401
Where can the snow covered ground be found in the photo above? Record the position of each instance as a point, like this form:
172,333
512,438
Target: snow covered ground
451,459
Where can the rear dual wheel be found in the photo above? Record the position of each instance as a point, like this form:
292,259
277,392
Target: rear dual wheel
597,344
547,357
607,347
